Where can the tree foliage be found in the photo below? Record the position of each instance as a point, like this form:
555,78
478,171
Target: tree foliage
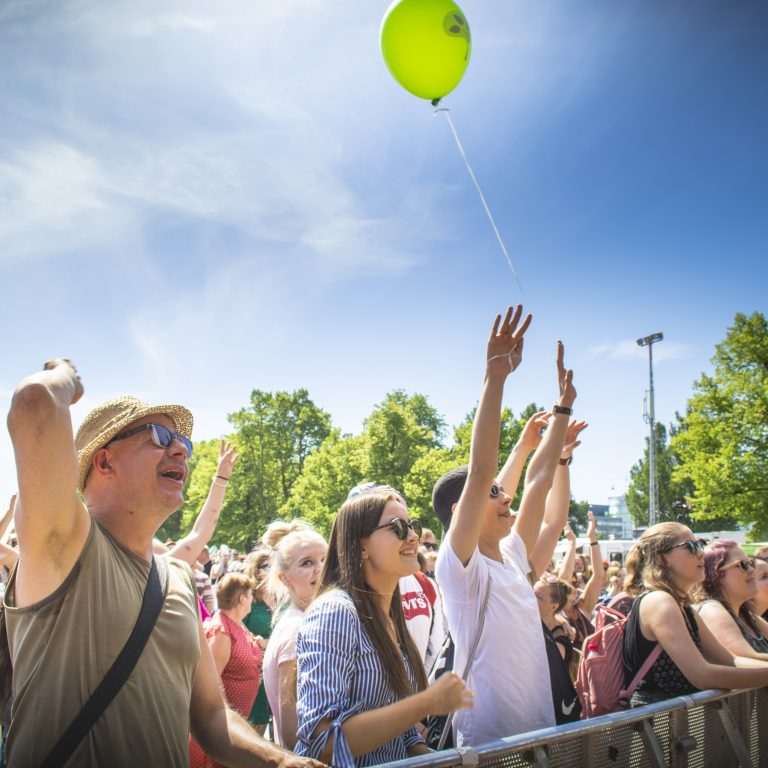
723,439
671,493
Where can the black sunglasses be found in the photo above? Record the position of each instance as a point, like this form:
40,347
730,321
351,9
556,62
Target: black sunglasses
495,490
162,437
429,545
694,546
400,527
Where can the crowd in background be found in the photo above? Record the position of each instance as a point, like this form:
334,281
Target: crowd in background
338,650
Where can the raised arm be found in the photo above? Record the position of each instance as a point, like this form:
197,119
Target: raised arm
529,440
541,470
594,586
565,570
51,522
558,502
504,354
189,548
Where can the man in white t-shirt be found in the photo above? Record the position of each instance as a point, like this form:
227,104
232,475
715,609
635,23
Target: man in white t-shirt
509,673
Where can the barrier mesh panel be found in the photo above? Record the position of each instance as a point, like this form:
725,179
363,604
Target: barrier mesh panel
714,750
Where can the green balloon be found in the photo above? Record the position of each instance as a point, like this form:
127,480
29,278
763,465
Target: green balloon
426,45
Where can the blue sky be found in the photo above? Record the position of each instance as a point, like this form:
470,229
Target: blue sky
197,200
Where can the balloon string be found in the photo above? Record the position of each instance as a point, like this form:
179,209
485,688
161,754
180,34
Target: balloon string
482,196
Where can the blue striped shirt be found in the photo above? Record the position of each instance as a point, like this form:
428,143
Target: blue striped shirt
340,675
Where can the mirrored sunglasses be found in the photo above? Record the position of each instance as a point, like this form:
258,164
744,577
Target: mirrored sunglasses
747,565
161,436
400,527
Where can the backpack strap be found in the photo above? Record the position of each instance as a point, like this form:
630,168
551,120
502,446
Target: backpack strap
109,687
470,658
626,695
426,584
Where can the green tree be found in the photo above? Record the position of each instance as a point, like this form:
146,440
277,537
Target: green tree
275,434
327,477
400,430
723,438
671,492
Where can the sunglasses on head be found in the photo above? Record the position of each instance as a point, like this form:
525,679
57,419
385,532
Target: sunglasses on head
161,436
694,546
747,565
400,527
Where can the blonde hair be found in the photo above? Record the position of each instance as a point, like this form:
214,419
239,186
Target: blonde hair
645,566
257,565
283,538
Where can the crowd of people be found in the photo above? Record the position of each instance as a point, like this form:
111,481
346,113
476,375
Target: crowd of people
345,652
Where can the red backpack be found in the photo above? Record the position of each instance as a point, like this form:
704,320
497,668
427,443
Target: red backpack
600,679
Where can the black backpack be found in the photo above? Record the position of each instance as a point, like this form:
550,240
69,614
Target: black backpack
564,698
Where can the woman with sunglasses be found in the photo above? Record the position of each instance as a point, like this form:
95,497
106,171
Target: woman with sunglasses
726,596
662,569
298,554
361,683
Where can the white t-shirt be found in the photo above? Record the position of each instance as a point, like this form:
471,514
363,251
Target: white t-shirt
510,674
423,619
281,647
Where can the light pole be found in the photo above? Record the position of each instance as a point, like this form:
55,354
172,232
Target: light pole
649,341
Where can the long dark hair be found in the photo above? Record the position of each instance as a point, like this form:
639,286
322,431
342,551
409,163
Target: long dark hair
712,587
354,522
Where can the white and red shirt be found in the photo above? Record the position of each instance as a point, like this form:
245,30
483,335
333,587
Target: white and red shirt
422,607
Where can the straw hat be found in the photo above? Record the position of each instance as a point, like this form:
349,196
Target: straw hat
111,418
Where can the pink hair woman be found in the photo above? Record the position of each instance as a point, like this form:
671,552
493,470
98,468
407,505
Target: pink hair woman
726,600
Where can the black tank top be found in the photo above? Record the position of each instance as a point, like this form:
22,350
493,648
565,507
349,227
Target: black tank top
664,677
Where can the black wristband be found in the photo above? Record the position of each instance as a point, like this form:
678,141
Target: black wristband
221,477
594,543
562,409
566,462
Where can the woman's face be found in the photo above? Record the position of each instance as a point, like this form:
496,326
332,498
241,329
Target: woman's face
761,586
302,575
578,564
685,568
383,554
738,585
245,601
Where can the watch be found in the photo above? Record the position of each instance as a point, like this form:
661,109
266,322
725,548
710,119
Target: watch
562,409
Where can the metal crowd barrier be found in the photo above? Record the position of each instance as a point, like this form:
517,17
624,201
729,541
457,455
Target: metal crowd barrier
710,729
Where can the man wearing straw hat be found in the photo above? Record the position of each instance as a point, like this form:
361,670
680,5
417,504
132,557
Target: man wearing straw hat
88,510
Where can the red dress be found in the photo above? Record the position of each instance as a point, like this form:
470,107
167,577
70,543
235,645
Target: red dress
241,676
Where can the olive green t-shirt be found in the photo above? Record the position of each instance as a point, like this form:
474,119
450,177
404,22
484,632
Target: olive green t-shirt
62,647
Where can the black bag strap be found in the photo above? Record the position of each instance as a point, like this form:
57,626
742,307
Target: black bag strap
108,688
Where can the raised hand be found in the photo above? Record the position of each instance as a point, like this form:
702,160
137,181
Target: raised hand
228,457
592,527
65,363
505,345
568,532
532,431
571,441
564,379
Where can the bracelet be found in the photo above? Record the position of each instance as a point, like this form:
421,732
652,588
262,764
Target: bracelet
566,462
561,409
594,543
221,477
